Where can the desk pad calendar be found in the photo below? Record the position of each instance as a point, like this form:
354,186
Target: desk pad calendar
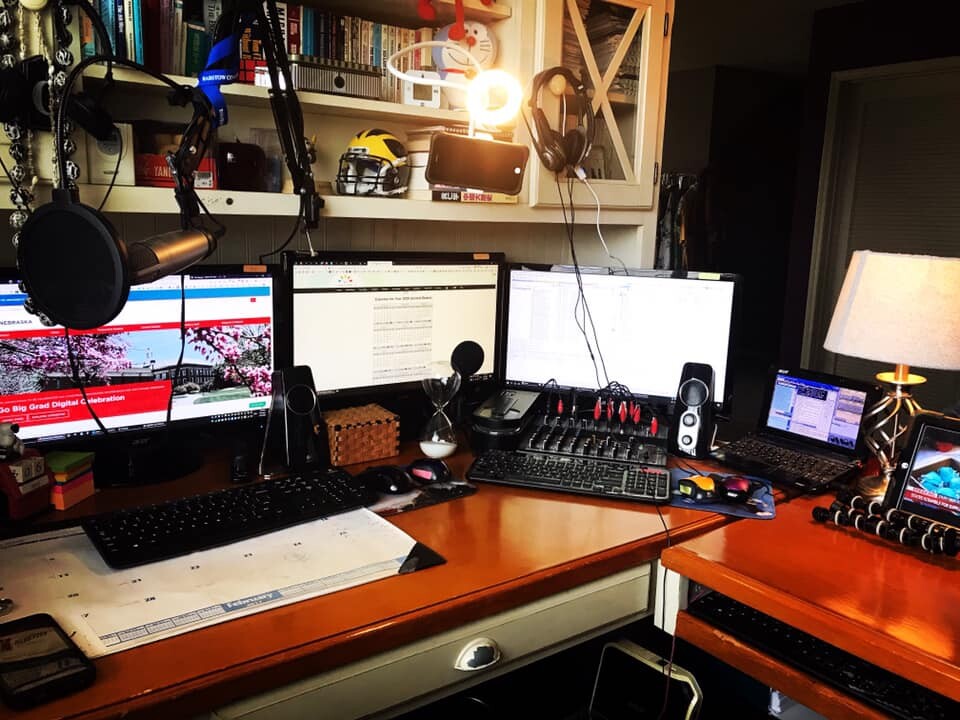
107,610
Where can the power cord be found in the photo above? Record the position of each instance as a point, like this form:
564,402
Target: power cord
581,297
668,670
183,344
78,379
116,170
582,176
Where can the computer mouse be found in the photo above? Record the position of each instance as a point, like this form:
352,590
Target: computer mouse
429,471
736,488
387,479
698,488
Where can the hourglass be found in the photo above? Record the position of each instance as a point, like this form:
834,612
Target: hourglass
438,438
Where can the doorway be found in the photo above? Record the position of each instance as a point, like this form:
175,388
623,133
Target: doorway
890,182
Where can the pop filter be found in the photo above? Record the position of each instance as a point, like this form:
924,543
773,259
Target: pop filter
73,264
467,358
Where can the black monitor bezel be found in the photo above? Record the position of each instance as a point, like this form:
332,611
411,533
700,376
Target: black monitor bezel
895,490
872,390
290,259
720,405
127,434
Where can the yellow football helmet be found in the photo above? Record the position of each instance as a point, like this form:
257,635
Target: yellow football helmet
375,163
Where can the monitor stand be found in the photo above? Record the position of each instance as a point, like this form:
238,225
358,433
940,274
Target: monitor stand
125,462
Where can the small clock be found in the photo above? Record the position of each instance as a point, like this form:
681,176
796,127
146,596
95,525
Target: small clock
421,95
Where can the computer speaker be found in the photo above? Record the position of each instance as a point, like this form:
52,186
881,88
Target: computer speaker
693,425
296,434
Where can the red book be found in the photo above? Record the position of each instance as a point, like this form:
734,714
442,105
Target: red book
294,43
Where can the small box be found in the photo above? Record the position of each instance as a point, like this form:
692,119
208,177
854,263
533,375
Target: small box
361,434
152,171
102,157
19,501
27,467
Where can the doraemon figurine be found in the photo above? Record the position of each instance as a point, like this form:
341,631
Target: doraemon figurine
453,65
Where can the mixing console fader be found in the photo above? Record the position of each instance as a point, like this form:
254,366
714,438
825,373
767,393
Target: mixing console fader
631,442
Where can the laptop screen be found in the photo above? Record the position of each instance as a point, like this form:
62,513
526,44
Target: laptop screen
821,409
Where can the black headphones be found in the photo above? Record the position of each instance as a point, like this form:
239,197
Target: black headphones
570,149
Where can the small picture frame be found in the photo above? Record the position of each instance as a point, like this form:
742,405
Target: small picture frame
427,96
926,481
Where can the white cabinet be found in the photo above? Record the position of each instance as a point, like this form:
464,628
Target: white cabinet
530,34
620,50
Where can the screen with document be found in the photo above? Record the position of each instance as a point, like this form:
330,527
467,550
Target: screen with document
373,321
818,410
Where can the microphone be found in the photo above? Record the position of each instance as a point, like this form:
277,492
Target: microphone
467,358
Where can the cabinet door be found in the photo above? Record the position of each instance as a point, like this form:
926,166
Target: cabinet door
619,48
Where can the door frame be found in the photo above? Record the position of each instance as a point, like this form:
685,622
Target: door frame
835,190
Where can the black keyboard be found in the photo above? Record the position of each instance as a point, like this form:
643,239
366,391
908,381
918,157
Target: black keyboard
785,465
584,476
178,527
874,686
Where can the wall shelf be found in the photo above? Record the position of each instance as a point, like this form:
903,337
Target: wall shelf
252,96
160,201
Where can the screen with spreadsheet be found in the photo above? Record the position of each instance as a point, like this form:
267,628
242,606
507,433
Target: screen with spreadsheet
645,326
373,321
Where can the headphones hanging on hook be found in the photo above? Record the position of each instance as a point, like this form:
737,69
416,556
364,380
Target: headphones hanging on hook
561,150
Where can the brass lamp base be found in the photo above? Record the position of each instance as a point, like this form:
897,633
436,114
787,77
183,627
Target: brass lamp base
874,487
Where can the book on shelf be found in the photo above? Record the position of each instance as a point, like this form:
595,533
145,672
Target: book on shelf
441,193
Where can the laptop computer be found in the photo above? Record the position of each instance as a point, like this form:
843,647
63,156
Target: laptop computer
809,435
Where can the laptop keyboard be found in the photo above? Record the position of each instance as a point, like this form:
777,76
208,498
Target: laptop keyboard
784,465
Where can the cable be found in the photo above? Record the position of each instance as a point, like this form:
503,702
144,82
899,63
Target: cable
68,85
75,370
668,671
582,177
293,234
183,343
116,169
587,316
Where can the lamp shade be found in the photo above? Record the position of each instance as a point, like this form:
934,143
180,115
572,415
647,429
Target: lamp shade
899,309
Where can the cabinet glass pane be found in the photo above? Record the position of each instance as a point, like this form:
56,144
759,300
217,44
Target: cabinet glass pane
603,43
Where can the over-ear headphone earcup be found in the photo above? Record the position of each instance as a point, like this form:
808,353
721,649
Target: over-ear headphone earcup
574,143
549,143
73,264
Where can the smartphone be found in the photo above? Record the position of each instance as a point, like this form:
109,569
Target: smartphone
39,662
490,165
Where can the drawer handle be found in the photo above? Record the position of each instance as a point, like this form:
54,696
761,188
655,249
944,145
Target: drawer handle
478,654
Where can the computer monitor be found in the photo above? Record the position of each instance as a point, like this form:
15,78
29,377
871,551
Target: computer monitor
127,366
373,323
645,326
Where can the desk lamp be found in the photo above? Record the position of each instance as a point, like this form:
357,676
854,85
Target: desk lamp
903,310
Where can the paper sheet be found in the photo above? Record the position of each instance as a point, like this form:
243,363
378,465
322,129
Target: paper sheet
107,610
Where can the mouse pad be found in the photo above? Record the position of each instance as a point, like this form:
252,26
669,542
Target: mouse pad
749,496
422,497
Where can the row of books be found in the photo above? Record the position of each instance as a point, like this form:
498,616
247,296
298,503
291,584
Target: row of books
182,31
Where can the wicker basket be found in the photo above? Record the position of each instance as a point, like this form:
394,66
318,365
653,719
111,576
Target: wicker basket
361,434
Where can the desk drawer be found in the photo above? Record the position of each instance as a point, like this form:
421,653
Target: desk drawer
424,670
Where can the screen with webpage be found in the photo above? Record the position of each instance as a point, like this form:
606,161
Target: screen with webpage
816,410
370,324
647,327
933,481
127,366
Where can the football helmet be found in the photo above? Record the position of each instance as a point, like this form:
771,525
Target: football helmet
375,163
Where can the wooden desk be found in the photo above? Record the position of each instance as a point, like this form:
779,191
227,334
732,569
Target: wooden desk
505,549
894,607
